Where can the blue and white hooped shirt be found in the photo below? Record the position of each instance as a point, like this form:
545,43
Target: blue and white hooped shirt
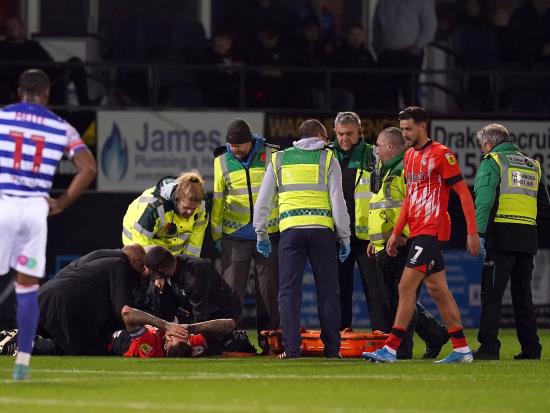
32,142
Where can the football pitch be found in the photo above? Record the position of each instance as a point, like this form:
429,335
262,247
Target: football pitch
260,384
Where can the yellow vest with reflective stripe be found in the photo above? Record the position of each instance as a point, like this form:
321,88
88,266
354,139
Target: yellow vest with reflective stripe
234,188
151,220
362,197
519,184
302,186
385,207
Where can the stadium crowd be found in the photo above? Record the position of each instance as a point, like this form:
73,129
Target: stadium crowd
281,47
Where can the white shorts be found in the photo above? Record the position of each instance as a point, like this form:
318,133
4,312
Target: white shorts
23,234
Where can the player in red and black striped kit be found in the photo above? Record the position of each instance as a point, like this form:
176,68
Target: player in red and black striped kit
431,171
147,336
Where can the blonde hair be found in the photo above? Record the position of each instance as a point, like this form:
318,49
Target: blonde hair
190,186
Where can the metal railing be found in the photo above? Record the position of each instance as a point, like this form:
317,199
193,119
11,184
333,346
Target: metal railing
115,85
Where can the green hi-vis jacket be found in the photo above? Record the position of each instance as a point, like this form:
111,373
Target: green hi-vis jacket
361,159
152,219
508,188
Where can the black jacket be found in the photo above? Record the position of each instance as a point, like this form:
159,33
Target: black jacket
85,299
195,293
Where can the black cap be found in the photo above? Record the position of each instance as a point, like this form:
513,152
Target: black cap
238,132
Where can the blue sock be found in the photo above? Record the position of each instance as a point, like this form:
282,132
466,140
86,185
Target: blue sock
27,316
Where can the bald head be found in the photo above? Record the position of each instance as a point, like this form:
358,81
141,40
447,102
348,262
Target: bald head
135,254
390,143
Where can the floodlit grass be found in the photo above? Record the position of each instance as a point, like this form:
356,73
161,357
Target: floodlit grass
97,384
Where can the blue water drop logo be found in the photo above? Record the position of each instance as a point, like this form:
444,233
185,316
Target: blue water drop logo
114,155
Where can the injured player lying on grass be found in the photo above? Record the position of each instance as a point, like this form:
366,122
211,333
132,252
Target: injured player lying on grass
148,336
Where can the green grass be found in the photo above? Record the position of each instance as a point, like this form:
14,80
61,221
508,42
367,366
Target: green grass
86,384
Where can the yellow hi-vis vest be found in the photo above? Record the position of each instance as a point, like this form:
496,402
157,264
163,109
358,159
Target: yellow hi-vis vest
152,220
385,207
235,191
362,196
302,186
519,184
360,160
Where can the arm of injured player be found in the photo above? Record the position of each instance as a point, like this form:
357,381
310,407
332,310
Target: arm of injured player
135,319
219,327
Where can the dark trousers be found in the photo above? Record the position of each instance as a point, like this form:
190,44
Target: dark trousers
319,246
406,83
237,256
498,269
373,288
426,325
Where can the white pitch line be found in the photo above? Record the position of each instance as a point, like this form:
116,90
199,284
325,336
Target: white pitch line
240,376
14,401
166,376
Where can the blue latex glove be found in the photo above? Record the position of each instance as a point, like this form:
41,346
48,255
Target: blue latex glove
482,250
344,251
264,247
219,246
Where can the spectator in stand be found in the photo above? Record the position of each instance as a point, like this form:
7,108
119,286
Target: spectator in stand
526,39
353,53
402,29
267,85
318,9
220,85
17,48
309,52
247,17
475,42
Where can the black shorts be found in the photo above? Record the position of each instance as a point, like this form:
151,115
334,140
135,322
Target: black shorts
425,255
120,342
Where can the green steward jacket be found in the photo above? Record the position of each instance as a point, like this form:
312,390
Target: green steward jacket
503,236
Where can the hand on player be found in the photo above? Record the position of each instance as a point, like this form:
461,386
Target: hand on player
472,245
393,243
370,250
177,330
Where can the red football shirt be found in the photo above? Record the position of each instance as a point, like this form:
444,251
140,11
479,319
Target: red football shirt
149,342
430,172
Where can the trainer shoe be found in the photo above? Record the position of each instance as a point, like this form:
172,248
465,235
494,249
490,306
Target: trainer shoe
456,357
21,372
8,344
284,355
382,355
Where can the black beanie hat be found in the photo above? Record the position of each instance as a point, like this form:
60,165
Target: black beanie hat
238,132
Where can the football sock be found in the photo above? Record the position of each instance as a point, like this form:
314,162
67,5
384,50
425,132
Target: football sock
460,345
27,320
394,340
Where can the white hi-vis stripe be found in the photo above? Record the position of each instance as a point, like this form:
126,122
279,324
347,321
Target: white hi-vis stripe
127,233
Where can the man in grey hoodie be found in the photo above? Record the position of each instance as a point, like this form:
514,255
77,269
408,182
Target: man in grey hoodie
305,183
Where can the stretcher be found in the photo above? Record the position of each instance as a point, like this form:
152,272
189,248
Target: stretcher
353,343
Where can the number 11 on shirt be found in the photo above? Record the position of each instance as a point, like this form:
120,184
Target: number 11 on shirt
39,142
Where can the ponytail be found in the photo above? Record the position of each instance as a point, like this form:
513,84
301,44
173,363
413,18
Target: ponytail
190,186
